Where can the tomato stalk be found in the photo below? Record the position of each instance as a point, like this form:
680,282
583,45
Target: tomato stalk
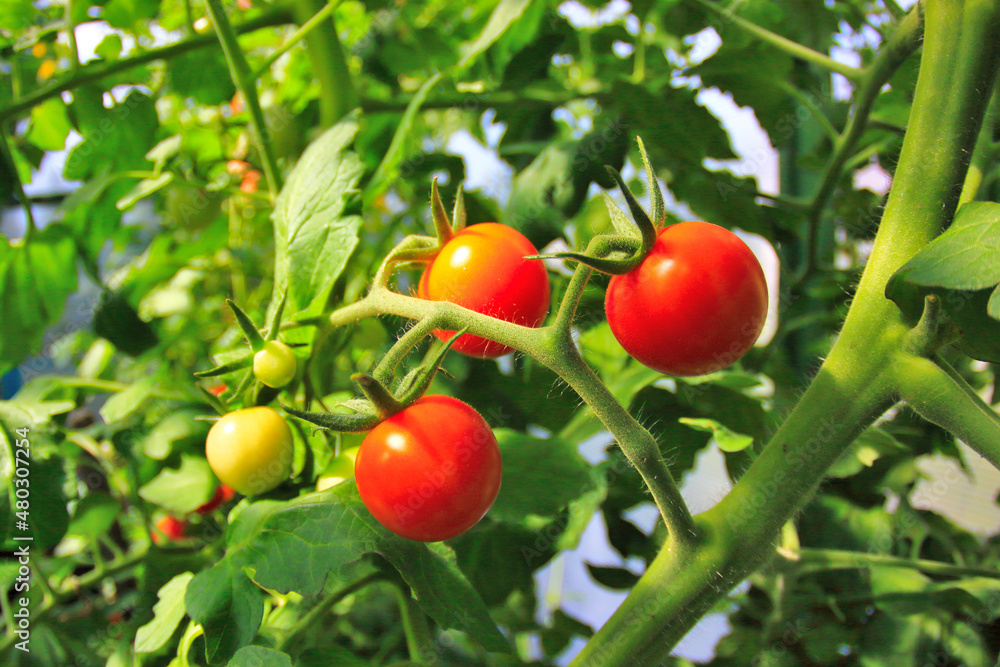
857,382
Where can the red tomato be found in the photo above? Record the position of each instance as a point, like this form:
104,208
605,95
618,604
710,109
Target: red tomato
222,495
218,390
483,269
430,472
171,528
695,305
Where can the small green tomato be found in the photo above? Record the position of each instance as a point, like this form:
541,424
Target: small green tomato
274,365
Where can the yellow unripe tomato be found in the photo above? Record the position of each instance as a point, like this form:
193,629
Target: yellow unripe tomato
251,450
274,365
339,470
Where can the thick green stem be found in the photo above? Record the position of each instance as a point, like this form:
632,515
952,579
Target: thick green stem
941,398
246,84
100,69
856,382
326,56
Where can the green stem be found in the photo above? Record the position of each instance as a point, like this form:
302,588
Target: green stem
386,369
855,384
8,157
419,642
74,52
983,156
547,345
245,83
338,95
297,37
900,46
782,43
809,560
571,299
99,70
941,398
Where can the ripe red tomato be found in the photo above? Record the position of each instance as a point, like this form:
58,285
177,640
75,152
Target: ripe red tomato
483,269
169,527
430,472
695,305
222,495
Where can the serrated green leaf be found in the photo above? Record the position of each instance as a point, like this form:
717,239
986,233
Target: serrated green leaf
259,656
143,189
729,441
167,614
966,256
294,546
313,238
183,490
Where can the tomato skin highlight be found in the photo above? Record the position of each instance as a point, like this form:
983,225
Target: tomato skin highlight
482,268
251,450
695,305
430,472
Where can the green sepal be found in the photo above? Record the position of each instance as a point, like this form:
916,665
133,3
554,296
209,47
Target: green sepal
415,383
356,423
213,400
242,386
263,394
382,400
646,226
244,361
246,324
274,325
458,216
442,227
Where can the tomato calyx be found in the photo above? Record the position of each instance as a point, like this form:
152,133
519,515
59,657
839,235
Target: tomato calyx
380,402
621,252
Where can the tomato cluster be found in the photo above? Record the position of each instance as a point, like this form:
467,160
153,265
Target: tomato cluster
430,472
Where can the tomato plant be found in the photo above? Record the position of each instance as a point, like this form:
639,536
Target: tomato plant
251,450
274,365
482,268
694,306
430,472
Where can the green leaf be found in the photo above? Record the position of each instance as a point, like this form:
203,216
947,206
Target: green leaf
48,517
258,656
227,605
615,578
35,280
965,257
94,516
49,125
330,655
313,237
130,14
168,613
183,490
674,122
116,139
501,558
177,428
143,189
33,413
506,12
128,400
296,545
729,441
109,48
202,74
117,321
540,477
